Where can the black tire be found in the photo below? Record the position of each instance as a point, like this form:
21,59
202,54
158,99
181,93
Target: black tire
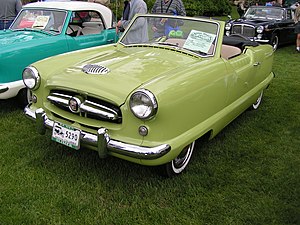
178,165
24,97
258,101
274,41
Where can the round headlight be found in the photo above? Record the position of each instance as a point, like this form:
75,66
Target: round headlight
228,26
259,36
260,29
143,104
31,78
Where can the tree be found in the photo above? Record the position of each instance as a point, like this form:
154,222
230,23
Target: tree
193,7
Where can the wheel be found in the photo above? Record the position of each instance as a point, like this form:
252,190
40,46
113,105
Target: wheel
24,97
177,165
258,101
274,41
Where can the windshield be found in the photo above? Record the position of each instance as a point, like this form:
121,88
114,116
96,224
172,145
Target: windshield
187,34
268,13
40,19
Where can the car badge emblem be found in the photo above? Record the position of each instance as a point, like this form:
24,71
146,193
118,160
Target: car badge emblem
95,69
74,104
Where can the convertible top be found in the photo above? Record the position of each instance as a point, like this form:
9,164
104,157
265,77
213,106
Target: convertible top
76,6
239,42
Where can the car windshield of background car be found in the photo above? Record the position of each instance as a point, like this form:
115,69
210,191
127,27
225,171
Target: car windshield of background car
193,35
39,19
268,13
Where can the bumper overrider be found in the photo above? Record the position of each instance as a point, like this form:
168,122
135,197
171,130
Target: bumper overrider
102,141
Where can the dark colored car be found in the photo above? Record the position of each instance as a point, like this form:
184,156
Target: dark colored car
265,24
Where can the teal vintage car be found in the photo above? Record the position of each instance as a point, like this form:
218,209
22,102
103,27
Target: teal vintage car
44,29
150,96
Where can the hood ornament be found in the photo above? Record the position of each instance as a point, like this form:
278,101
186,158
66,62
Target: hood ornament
95,69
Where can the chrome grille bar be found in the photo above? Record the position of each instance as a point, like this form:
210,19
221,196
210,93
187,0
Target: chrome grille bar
97,109
86,106
244,29
60,99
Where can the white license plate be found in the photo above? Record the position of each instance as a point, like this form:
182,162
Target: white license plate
66,135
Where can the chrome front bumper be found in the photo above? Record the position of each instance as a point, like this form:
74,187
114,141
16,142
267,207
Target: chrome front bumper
260,40
102,141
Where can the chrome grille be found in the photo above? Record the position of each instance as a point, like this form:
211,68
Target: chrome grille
248,31
88,107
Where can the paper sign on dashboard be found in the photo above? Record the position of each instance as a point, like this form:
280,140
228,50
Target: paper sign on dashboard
199,41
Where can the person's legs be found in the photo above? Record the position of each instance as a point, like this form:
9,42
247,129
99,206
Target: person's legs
4,24
297,32
1,24
298,42
7,24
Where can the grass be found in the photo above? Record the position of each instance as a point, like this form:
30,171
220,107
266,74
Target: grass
248,174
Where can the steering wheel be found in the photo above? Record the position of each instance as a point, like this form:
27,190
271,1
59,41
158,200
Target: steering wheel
240,36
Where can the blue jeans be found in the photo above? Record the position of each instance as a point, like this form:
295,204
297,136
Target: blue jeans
4,24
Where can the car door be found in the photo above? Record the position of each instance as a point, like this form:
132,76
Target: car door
286,27
86,29
92,39
242,71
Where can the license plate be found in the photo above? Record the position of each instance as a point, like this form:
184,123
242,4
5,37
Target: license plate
66,135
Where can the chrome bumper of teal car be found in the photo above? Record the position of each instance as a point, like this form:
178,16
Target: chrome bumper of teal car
102,141
10,89
3,89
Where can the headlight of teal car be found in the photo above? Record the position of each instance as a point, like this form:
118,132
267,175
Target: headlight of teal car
31,78
143,104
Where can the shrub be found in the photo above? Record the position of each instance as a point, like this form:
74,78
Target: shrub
193,7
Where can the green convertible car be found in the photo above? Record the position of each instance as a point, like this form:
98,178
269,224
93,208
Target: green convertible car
167,82
44,29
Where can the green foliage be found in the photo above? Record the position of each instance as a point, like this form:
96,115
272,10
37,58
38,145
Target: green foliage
207,7
193,7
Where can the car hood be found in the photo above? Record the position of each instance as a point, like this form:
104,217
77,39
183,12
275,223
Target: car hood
129,68
8,37
254,22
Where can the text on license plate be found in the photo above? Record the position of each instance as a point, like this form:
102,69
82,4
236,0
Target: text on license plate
66,135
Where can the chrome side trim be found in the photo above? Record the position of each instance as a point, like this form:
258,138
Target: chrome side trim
102,141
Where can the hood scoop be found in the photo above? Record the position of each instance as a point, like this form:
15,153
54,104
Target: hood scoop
95,69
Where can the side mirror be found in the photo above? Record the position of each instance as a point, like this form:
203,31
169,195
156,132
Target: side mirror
229,17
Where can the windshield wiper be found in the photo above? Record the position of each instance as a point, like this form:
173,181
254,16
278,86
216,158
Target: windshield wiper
168,44
37,26
36,30
181,48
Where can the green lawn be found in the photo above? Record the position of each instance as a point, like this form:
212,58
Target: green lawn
248,174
